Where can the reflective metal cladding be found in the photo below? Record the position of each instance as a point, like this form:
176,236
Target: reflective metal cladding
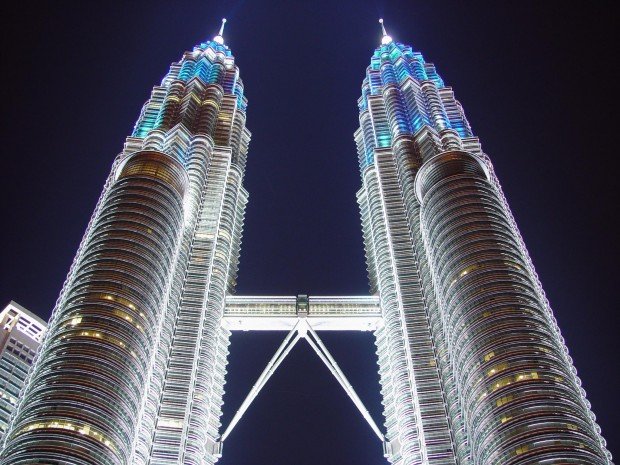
132,368
473,367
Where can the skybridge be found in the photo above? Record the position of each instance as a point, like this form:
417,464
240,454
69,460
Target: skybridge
302,316
282,313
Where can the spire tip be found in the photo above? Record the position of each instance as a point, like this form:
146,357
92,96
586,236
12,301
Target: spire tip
219,38
386,39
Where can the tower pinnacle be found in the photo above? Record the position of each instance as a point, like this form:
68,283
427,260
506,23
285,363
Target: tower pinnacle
219,38
386,39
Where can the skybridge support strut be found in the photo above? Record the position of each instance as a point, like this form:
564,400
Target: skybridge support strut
329,361
287,345
301,330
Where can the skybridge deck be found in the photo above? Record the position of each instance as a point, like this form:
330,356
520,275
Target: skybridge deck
323,313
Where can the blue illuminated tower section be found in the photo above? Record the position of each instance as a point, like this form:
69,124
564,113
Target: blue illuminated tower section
473,367
131,370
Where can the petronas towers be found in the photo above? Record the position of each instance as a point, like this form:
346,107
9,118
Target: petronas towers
472,365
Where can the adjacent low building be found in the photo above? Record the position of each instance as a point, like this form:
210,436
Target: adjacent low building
20,337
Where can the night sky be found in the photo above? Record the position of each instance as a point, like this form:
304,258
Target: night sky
539,87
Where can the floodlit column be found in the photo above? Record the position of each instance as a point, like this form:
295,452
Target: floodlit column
473,367
520,396
132,369
83,399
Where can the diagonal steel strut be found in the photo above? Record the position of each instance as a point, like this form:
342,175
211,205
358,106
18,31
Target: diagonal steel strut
327,358
301,330
284,349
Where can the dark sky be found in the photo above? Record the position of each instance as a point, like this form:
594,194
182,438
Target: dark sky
538,84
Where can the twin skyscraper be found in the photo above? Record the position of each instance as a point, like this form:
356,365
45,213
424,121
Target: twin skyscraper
473,368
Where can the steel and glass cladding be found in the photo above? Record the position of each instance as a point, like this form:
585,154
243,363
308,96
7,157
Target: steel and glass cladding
473,367
132,368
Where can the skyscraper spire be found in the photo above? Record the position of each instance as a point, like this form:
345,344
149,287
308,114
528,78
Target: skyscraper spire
472,364
457,288
386,39
219,38
155,299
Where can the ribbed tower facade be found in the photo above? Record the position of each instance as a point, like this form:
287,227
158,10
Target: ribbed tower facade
131,370
473,368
